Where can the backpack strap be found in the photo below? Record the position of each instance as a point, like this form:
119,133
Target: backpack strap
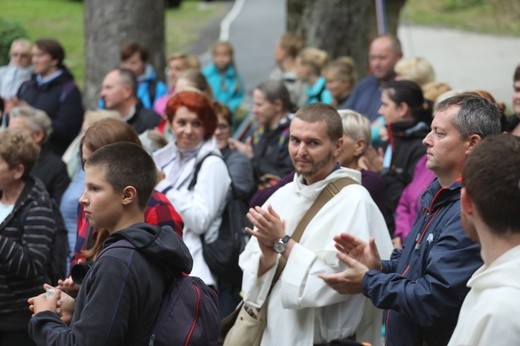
193,181
152,90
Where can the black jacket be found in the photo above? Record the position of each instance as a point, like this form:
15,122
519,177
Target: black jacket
25,241
61,100
143,119
407,149
52,171
122,292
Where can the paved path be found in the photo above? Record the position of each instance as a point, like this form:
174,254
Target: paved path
462,59
466,60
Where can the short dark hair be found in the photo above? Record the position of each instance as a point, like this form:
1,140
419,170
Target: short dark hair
53,48
127,164
476,115
323,112
128,50
491,179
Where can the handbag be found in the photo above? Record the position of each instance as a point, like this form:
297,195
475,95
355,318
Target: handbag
245,325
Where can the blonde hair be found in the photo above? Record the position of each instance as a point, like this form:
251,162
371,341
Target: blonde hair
356,126
22,42
291,43
418,70
189,60
316,58
433,90
343,68
18,148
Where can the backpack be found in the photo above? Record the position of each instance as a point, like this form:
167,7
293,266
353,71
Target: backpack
221,255
56,266
189,313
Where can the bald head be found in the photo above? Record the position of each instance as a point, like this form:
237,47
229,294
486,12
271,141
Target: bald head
385,51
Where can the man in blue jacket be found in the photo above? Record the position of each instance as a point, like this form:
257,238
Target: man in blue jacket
423,285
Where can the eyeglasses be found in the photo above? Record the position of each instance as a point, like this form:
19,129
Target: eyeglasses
21,55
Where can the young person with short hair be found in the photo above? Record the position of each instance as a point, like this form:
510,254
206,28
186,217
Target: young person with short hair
122,292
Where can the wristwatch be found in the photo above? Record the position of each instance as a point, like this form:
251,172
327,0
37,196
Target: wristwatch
280,245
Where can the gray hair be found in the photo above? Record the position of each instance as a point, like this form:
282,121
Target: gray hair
476,115
275,90
37,120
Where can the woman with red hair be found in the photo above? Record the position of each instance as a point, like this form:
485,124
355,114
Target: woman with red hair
199,198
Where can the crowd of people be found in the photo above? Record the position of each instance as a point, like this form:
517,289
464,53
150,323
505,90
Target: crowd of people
391,193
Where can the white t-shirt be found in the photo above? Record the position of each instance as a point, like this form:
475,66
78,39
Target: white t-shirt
5,209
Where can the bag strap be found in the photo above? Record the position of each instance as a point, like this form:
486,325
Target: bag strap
331,190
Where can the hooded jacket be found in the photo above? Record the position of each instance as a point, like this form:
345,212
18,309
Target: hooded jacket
424,284
489,315
60,98
122,292
406,144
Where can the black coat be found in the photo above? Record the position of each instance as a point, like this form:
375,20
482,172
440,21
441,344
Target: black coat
61,100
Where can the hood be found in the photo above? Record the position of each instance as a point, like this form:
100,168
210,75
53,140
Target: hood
312,191
148,75
161,245
501,273
410,129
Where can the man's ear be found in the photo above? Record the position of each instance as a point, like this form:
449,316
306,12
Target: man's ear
338,146
129,195
19,170
473,140
466,202
38,137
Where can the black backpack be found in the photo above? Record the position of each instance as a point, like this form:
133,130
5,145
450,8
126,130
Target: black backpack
189,313
221,255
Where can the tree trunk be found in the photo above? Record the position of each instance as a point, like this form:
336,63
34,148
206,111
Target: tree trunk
340,27
111,24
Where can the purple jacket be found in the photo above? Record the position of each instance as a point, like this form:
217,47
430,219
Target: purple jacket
410,199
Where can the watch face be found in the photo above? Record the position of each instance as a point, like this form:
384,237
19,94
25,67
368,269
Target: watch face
279,246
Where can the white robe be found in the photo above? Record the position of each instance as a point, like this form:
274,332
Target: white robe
490,312
302,308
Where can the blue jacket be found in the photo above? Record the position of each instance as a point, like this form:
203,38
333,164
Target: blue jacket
318,92
228,87
423,285
144,93
365,98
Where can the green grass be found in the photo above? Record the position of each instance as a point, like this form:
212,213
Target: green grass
63,20
501,17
